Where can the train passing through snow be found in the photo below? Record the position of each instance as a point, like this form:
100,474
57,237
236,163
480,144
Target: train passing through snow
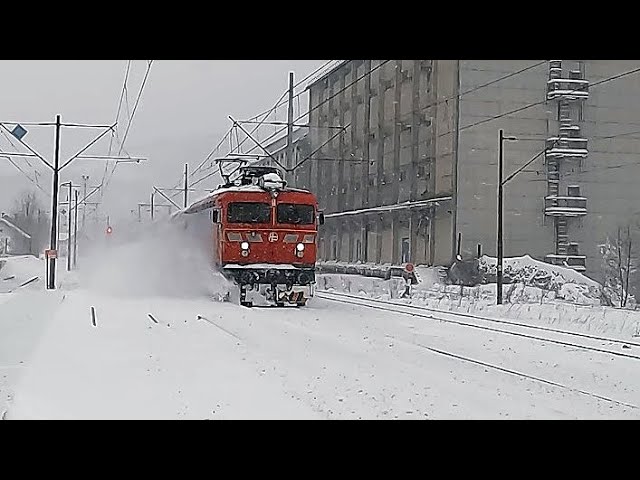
263,235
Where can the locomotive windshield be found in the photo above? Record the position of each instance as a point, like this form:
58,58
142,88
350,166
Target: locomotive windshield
296,214
249,212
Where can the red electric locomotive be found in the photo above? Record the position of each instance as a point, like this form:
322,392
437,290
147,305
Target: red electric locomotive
264,235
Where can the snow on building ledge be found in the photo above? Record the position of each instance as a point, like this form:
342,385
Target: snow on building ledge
389,208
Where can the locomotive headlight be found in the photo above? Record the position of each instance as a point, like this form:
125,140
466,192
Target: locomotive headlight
244,245
299,250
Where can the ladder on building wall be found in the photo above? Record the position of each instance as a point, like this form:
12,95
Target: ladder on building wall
553,177
562,236
565,112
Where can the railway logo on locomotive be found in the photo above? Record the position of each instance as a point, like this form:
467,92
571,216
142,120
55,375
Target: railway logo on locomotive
273,237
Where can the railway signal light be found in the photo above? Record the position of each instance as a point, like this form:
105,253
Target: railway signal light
109,230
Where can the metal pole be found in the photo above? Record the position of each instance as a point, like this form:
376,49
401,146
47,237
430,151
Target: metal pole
139,213
152,207
54,210
289,151
186,183
84,205
500,253
69,228
75,232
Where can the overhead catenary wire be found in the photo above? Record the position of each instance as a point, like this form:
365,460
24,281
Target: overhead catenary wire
438,102
35,182
466,92
330,64
135,106
608,79
273,109
283,99
353,82
26,159
124,88
210,154
517,110
600,82
333,63
444,100
129,123
530,105
114,132
264,114
301,162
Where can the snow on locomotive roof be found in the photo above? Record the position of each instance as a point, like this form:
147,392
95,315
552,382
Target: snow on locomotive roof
252,188
238,188
271,177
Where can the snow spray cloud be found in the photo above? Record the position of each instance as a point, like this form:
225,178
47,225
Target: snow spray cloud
159,259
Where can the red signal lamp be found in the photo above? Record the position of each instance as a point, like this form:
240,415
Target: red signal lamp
109,230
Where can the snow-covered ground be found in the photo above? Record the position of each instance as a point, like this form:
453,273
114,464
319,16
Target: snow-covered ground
575,306
15,271
152,354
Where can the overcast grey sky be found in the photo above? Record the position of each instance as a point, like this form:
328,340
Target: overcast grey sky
181,116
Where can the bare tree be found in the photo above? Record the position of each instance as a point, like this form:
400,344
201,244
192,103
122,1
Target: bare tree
29,216
619,262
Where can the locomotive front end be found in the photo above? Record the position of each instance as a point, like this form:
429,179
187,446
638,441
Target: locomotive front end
267,242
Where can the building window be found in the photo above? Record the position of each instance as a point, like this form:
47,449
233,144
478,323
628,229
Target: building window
573,191
572,249
581,112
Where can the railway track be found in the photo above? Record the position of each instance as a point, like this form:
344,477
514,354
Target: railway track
382,305
478,321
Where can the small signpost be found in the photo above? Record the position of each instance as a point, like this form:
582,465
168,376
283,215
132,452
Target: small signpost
48,255
408,279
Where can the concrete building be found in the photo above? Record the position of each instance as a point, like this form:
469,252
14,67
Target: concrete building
416,166
278,149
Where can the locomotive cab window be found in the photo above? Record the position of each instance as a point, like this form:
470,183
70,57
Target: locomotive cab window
249,212
296,214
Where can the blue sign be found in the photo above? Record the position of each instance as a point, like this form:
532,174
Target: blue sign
19,132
